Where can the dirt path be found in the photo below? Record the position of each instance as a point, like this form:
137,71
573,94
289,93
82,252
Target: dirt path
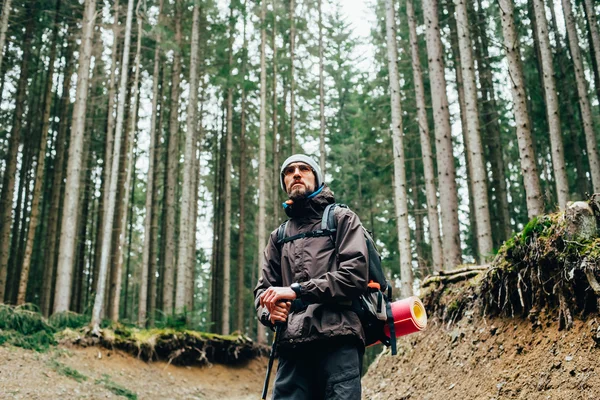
97,373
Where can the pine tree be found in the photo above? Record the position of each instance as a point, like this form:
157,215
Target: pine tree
400,197
535,205
109,212
584,102
426,152
477,166
445,159
552,107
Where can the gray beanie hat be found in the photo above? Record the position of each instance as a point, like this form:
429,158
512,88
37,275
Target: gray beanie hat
307,160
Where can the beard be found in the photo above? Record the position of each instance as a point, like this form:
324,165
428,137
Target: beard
298,192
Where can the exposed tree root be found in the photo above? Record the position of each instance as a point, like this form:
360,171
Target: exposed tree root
550,266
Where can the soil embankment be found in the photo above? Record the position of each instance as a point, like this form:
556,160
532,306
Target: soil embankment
490,359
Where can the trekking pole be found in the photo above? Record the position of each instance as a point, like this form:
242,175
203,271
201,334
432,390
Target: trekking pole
278,328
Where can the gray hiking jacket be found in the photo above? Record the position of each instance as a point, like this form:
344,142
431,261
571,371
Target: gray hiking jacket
331,273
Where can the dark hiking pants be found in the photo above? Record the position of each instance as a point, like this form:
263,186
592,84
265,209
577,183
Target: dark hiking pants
318,372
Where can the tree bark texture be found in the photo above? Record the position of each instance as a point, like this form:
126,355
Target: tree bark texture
590,13
490,119
292,78
172,170
41,165
4,27
529,170
109,212
584,101
552,106
66,250
400,198
426,152
8,179
321,91
109,140
57,191
477,166
150,187
187,237
262,155
445,158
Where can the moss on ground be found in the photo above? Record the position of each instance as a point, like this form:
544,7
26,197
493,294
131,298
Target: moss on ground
25,327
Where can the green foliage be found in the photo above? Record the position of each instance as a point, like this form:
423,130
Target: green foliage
67,371
69,319
24,319
116,388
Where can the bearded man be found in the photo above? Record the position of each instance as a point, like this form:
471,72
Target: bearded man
307,282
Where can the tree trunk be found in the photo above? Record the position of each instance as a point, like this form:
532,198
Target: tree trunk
113,273
172,169
590,13
187,238
126,312
422,262
582,90
66,250
477,166
426,153
20,214
241,257
115,292
275,105
529,170
400,198
321,91
292,80
490,119
8,181
153,289
79,276
150,187
262,155
41,164
58,184
109,140
228,166
471,239
552,106
109,212
4,28
445,159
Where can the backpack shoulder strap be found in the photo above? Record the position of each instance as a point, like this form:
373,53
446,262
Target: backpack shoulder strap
281,232
329,221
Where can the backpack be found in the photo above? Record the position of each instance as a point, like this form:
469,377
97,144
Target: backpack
373,307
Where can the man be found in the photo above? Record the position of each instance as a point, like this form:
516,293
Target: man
308,284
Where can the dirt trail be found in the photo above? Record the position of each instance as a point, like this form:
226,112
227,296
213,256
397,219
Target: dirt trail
97,373
490,360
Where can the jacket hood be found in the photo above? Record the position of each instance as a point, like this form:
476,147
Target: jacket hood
311,207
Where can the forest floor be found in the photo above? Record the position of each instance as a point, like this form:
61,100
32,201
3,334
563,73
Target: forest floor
493,359
475,358
73,372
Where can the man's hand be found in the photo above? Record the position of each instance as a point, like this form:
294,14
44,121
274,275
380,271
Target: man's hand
280,312
273,295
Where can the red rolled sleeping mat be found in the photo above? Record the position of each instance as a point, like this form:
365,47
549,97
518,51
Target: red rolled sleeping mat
409,316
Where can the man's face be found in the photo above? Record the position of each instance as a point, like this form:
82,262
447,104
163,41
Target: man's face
299,180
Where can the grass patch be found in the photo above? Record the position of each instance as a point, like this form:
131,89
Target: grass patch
116,388
67,371
69,319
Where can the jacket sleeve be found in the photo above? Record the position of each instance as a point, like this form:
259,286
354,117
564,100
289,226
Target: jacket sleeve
270,276
349,280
